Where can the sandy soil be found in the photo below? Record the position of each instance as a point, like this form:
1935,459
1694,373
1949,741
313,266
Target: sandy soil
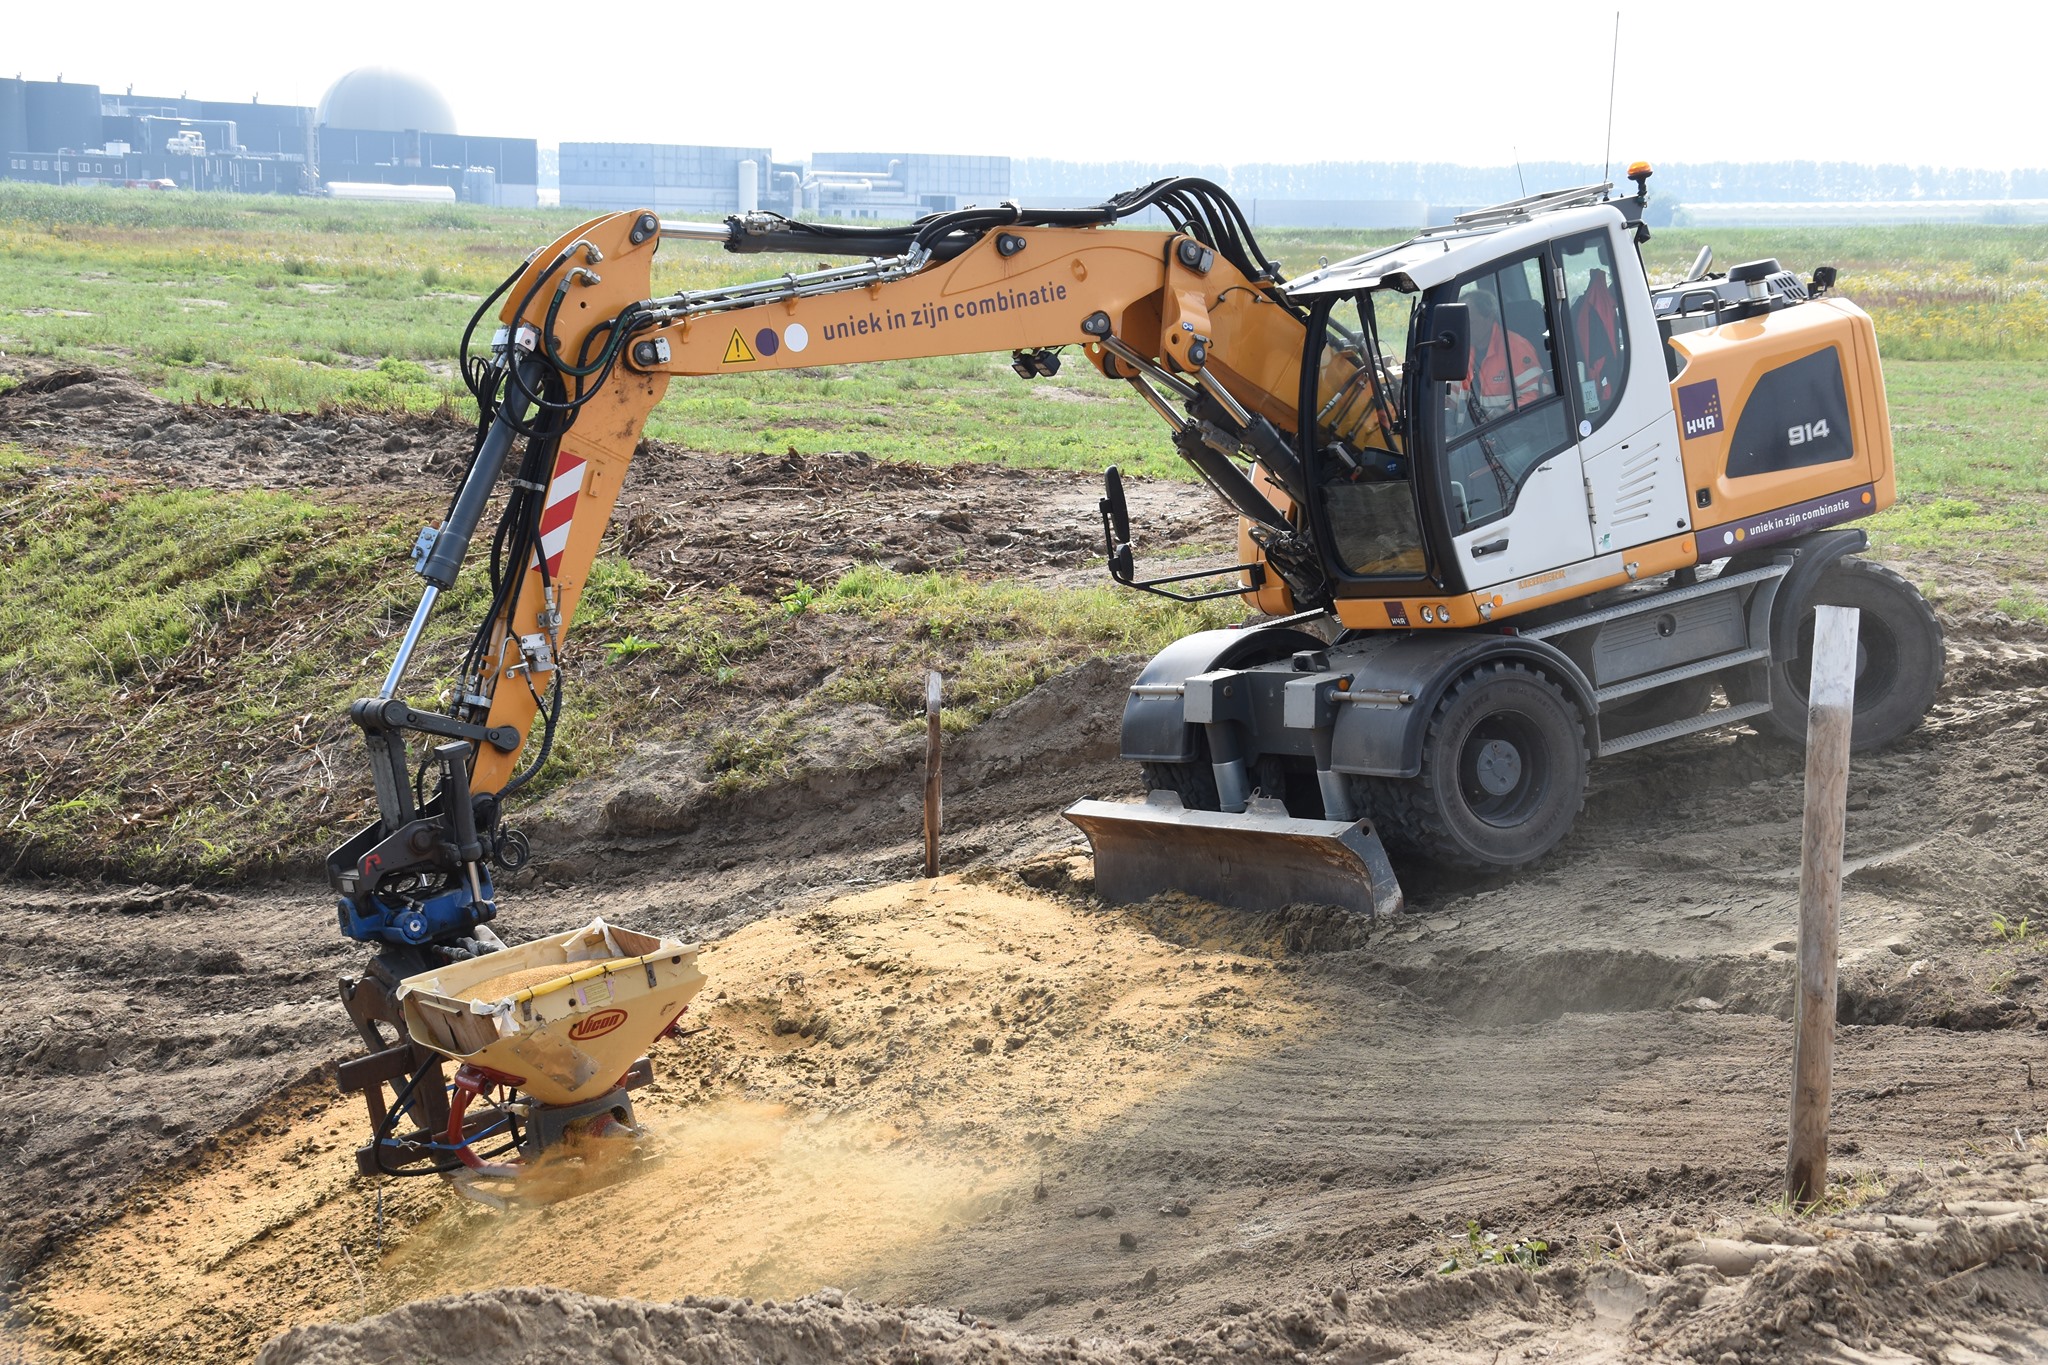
1075,1132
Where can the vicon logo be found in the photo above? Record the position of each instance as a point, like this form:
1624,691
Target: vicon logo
597,1025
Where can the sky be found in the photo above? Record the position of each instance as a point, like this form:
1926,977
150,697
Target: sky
1474,82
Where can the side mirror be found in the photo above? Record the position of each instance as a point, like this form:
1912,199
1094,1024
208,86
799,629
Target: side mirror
1113,505
1116,528
1450,348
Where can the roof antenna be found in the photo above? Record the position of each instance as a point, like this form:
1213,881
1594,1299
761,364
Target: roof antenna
1521,183
1613,68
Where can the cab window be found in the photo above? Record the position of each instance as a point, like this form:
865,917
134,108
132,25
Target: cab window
1598,340
1508,415
1359,459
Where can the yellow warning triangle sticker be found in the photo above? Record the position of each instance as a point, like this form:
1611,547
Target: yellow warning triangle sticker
736,349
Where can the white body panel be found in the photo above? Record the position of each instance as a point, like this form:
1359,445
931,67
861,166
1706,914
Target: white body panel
1636,485
1547,526
1635,472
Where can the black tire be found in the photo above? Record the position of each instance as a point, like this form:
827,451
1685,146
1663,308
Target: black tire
1503,774
1658,706
1194,783
1899,657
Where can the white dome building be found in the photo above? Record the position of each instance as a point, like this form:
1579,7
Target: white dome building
381,99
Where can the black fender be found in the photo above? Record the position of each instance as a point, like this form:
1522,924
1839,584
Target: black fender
1813,555
1386,740
1154,728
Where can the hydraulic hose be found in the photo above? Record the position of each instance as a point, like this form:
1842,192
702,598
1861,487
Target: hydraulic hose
451,543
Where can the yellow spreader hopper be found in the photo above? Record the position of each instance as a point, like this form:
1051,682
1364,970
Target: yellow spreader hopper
555,1032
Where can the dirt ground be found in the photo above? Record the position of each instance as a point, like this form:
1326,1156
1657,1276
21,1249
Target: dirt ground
986,1117
759,523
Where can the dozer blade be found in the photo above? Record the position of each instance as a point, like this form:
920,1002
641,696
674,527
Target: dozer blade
1260,860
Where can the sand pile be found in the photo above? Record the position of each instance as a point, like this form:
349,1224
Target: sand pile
508,1326
1960,1282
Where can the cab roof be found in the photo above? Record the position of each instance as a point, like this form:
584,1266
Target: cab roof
1469,243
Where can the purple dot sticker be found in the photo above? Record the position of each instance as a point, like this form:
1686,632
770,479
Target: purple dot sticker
766,342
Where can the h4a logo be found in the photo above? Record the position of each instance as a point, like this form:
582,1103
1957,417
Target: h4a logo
1699,408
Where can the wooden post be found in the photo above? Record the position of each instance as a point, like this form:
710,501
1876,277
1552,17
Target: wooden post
931,774
1831,710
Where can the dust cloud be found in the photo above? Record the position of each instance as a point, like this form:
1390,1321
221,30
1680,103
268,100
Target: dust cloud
737,1197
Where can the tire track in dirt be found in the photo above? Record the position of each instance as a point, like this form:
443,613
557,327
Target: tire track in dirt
1706,843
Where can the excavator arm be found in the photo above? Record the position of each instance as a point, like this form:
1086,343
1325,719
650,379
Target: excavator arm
1191,317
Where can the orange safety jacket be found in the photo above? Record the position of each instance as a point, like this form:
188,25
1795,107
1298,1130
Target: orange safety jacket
1598,324
1507,364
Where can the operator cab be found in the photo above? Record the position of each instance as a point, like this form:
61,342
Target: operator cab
1504,350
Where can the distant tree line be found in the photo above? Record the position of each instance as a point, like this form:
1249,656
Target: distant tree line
1441,183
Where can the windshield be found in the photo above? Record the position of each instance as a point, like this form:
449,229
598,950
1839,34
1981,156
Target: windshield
1360,456
1507,416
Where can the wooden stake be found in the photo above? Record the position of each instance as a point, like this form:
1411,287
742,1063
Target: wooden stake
931,774
1831,711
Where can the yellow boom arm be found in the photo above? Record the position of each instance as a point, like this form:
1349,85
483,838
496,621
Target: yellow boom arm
1156,308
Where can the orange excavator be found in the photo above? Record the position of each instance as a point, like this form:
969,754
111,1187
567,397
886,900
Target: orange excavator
1503,508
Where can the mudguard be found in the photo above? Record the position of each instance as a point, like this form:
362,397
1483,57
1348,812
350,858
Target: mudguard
1386,741
1154,730
1816,554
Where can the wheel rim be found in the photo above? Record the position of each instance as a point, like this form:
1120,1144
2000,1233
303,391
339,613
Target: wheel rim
1504,773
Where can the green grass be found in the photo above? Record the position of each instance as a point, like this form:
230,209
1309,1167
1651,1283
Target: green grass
294,303
1972,473
183,659
196,648
179,662
177,652
995,640
1935,291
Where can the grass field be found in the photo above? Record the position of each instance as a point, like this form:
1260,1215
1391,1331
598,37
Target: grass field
260,612
292,303
178,662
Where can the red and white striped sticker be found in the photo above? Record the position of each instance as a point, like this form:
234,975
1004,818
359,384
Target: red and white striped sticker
560,509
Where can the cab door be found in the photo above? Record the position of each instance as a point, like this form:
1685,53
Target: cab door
1626,424
1510,476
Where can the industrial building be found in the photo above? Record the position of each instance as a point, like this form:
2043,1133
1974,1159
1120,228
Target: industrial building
63,133
504,171
679,180
901,184
380,133
711,182
374,128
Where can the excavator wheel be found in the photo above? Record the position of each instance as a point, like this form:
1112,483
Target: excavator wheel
1899,658
1503,774
1194,782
